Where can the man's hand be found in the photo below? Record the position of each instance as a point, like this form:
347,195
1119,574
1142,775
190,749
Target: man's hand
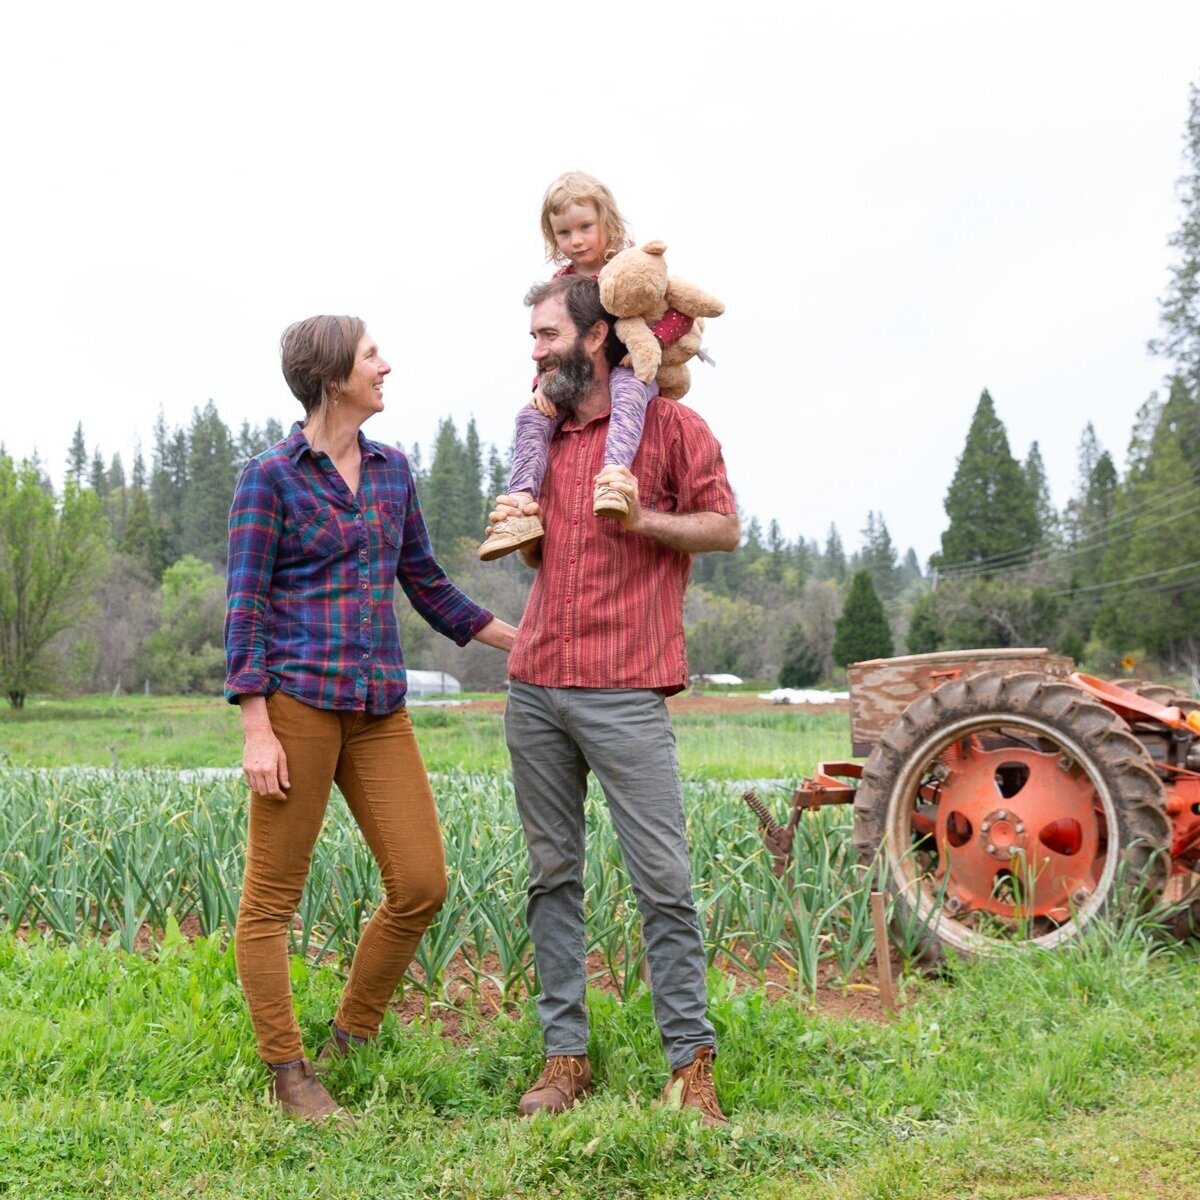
517,505
544,406
623,480
686,532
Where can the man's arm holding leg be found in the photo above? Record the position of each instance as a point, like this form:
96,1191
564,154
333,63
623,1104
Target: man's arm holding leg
687,532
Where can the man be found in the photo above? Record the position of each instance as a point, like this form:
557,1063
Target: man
599,648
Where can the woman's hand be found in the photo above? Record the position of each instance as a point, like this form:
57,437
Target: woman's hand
497,633
264,763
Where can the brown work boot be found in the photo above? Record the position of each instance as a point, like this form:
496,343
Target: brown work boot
509,534
692,1087
565,1080
609,502
299,1093
339,1045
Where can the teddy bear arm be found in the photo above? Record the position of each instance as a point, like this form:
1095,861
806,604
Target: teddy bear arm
691,300
643,347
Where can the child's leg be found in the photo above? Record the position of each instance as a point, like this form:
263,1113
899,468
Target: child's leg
534,431
629,399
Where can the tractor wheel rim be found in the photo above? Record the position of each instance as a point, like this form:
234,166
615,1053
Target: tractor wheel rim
1046,812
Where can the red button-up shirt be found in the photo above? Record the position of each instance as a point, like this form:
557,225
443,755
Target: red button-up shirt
606,609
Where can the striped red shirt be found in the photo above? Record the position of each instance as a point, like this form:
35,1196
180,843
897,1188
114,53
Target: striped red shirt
606,610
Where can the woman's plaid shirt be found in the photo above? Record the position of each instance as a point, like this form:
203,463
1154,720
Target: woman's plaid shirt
311,575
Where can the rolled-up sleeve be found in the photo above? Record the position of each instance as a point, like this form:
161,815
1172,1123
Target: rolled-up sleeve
255,526
442,605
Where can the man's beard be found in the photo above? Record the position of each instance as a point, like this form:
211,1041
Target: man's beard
568,384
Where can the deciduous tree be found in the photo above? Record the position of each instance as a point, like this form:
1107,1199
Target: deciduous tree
50,553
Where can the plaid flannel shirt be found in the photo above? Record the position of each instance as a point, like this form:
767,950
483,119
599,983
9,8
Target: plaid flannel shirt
311,574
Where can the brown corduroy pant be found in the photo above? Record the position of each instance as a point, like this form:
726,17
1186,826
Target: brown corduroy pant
377,765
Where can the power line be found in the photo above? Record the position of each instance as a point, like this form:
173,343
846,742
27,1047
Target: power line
1118,529
1114,583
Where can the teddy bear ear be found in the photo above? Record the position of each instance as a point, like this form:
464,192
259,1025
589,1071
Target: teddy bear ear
655,248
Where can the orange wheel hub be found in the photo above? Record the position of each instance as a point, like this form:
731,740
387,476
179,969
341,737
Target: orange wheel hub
1018,831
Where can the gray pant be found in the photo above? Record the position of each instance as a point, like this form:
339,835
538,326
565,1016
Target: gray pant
555,735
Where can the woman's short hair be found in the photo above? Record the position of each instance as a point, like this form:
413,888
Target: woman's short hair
318,352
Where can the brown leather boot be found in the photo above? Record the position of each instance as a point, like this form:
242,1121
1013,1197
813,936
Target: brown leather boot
565,1080
692,1087
298,1091
339,1045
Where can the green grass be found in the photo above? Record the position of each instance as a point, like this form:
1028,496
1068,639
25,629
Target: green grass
1072,1074
1065,1075
184,731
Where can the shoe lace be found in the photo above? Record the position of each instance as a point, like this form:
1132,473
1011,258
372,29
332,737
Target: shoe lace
556,1066
698,1082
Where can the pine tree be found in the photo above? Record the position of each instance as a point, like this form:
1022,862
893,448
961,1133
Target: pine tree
776,552
878,556
1179,310
1150,595
450,514
862,630
1039,488
77,458
833,559
993,514
210,474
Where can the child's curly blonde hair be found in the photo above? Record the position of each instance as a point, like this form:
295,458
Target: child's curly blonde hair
577,187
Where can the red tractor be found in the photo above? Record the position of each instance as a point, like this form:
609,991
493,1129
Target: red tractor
1009,799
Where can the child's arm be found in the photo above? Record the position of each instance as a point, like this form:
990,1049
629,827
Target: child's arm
544,406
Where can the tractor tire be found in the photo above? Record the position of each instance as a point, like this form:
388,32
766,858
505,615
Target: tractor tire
1009,809
1181,899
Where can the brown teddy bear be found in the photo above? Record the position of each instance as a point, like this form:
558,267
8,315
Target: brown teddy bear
635,288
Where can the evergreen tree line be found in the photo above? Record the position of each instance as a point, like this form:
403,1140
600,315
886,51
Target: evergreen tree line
118,581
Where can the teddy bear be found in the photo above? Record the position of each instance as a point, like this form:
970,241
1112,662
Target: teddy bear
635,288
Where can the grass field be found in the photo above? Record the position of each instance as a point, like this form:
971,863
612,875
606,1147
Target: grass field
154,731
127,1066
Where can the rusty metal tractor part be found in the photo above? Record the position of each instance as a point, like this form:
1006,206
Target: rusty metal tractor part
827,785
1013,808
1171,753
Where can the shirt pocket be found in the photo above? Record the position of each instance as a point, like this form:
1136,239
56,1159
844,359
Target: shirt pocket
318,531
391,525
653,492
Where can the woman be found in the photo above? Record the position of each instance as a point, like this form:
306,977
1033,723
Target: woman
322,525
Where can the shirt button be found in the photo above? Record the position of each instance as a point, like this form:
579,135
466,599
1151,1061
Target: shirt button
575,522
366,618
570,560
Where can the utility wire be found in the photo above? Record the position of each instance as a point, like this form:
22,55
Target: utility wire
1023,555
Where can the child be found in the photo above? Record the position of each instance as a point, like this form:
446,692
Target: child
583,229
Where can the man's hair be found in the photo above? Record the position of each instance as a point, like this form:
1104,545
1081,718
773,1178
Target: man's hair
581,296
317,352
577,187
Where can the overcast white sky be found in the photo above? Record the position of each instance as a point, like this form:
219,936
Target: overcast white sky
900,204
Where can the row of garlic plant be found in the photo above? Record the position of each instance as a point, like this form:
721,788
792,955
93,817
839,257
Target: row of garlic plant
86,854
